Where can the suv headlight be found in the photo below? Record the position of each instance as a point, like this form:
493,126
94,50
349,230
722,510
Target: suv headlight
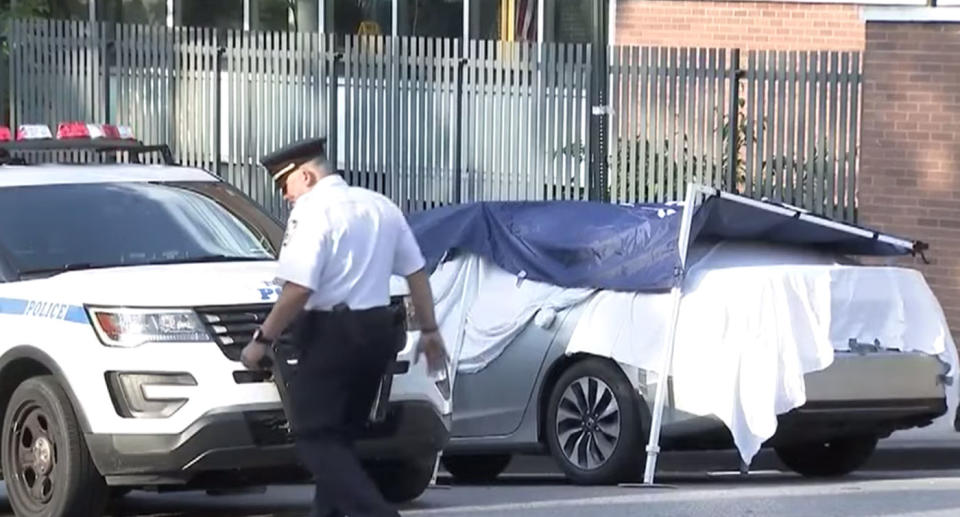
123,327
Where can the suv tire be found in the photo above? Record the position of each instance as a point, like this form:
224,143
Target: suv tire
47,466
476,468
402,481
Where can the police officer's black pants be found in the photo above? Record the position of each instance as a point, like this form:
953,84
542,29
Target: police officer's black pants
343,356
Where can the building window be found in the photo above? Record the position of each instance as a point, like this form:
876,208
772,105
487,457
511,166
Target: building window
272,15
221,14
569,21
485,19
68,9
145,12
351,17
430,18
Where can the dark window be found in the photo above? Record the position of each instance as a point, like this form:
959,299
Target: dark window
221,14
143,12
485,19
430,18
351,17
69,9
273,15
114,224
572,21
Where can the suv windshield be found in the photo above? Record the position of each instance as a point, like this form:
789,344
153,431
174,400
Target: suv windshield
47,229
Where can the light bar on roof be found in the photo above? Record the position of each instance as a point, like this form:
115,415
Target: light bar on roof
33,132
125,132
82,130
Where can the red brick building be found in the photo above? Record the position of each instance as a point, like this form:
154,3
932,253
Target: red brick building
768,25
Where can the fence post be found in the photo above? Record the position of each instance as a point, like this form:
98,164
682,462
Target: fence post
458,138
733,146
220,41
333,118
599,80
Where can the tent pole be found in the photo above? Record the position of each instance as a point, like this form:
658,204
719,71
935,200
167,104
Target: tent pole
653,445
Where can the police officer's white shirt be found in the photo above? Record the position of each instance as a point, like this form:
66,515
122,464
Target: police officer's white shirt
344,243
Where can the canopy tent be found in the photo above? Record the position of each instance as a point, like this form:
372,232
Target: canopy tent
627,247
636,248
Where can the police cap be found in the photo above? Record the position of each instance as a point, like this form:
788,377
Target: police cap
282,161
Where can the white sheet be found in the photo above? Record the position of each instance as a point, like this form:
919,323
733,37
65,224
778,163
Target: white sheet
754,319
485,307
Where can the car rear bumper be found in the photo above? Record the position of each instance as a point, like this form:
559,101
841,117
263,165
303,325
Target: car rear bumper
875,393
878,377
254,441
870,394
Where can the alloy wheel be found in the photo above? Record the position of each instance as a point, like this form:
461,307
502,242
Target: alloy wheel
588,423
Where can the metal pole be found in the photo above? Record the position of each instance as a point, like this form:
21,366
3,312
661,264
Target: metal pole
171,9
394,23
458,139
733,75
220,38
466,20
598,104
321,16
653,446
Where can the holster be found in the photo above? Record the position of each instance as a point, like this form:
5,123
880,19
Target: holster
285,353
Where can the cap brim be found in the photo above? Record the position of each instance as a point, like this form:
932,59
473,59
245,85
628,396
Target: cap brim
282,173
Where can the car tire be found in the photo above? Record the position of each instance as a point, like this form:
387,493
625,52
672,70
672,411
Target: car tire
47,466
402,481
476,468
837,457
604,445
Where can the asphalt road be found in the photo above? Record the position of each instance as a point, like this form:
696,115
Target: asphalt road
879,493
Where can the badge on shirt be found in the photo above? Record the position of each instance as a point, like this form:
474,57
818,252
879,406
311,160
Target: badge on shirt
291,226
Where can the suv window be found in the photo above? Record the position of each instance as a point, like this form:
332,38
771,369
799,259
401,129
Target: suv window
50,228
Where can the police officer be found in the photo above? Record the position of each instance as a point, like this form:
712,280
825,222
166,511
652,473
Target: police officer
340,248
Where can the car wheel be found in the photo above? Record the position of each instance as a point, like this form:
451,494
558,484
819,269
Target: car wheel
594,428
833,458
476,468
402,481
48,469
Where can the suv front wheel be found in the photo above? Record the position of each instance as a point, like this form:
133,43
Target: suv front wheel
402,481
47,467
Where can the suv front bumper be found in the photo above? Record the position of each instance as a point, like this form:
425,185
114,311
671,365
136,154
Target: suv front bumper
254,440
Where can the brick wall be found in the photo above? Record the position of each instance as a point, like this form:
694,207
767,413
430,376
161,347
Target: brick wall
910,165
747,25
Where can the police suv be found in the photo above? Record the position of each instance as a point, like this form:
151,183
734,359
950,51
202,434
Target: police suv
126,294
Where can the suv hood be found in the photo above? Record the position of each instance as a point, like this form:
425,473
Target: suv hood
173,285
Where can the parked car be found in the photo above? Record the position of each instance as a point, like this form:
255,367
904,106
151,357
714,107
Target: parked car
537,392
126,294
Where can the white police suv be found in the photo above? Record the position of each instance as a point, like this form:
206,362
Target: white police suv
126,294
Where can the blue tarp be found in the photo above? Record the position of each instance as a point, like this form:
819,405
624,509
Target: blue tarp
609,246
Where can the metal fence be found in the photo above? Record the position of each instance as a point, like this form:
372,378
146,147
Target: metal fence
795,116
436,121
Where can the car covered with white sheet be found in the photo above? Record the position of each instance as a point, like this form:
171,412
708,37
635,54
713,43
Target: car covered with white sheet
775,333
127,292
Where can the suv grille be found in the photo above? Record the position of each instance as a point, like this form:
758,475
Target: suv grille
232,326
